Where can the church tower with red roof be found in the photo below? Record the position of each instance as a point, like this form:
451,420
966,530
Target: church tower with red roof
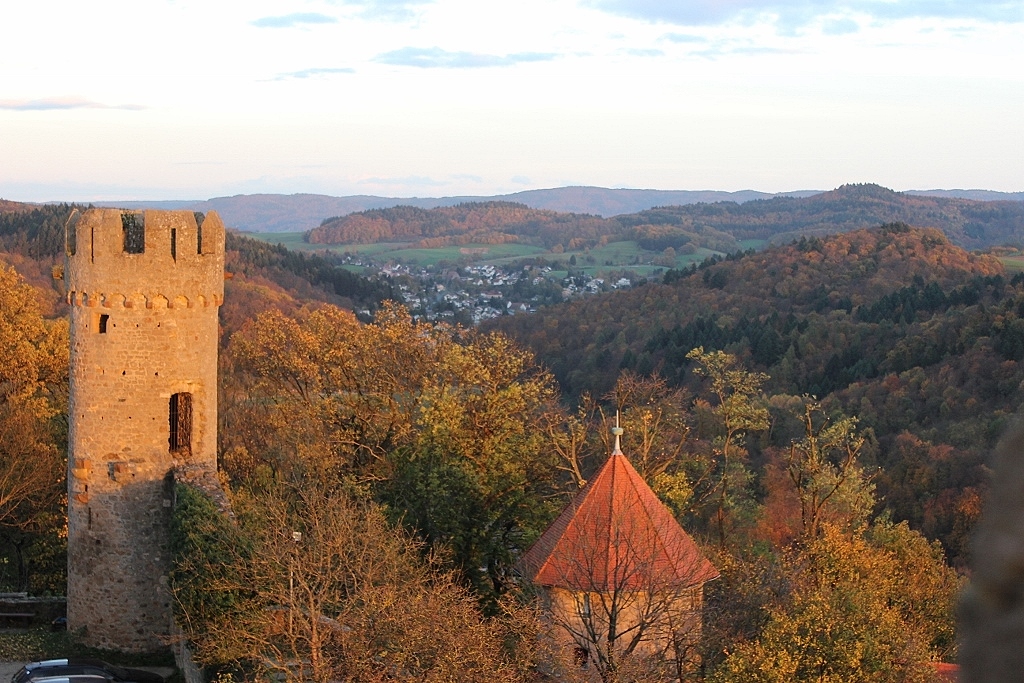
618,574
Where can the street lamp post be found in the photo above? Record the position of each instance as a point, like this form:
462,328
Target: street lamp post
296,537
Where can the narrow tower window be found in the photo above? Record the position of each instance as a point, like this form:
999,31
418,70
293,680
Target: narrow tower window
134,227
100,323
200,217
174,243
180,415
71,233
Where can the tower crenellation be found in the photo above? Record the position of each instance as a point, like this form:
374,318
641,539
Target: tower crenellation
144,290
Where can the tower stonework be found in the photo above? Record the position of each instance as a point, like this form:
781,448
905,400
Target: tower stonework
144,290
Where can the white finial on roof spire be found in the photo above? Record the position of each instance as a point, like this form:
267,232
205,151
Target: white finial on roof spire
617,431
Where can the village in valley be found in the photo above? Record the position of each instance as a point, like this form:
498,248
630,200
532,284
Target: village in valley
473,293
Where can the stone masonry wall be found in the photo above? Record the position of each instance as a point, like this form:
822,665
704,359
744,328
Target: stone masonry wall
143,327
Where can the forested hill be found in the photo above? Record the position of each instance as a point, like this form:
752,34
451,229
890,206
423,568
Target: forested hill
487,222
720,226
919,339
262,276
843,280
968,223
7,205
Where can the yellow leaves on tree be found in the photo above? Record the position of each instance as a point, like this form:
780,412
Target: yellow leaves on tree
872,607
33,392
440,423
348,393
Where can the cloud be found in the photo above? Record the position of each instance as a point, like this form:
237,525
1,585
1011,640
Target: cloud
293,20
60,103
793,13
839,27
307,73
684,38
388,9
520,180
435,57
743,50
645,53
413,180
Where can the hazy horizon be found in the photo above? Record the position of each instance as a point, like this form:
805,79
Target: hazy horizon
175,99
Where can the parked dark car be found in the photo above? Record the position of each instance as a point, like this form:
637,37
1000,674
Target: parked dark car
72,678
82,671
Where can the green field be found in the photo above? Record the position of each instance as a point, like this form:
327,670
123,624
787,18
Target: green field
467,253
597,261
295,242
292,240
1013,264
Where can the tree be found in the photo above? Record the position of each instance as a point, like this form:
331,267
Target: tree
441,424
313,584
738,410
655,421
823,469
569,435
33,400
843,621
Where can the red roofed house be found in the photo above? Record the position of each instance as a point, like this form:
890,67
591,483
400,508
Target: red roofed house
620,578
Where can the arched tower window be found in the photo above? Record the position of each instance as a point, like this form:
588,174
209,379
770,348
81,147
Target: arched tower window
180,418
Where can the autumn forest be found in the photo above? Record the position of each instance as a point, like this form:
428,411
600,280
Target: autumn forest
818,414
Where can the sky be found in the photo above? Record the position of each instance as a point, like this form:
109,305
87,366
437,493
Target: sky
192,99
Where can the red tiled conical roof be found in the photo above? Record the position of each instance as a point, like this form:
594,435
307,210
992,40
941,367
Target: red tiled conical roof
616,534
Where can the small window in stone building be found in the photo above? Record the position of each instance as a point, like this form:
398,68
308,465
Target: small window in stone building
180,415
100,323
174,243
134,227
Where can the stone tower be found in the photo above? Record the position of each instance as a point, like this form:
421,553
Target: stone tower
144,290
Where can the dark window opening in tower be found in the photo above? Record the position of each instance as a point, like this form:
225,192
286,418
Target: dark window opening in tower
180,415
71,233
134,228
174,243
102,320
200,217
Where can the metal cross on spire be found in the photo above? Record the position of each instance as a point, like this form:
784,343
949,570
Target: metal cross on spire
617,431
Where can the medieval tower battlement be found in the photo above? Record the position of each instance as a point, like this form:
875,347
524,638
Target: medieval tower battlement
144,289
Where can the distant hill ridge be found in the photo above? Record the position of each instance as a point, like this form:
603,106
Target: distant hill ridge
301,212
720,226
8,206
